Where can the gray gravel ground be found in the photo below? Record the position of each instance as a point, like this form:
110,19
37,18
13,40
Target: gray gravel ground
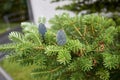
2,77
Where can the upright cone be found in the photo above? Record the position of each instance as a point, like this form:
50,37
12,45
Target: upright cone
61,37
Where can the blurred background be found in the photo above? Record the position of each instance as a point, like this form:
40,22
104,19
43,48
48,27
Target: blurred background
13,12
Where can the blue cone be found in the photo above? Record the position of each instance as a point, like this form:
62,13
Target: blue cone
61,37
42,29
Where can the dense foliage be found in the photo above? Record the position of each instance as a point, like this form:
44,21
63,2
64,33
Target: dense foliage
76,48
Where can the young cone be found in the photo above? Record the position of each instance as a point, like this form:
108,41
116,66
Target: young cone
61,37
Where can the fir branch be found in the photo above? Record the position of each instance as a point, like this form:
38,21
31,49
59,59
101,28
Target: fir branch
9,46
64,56
49,71
16,37
90,52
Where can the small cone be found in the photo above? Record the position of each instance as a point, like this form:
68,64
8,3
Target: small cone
42,29
61,37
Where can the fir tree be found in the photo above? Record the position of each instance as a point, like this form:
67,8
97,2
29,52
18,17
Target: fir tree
110,8
90,6
76,48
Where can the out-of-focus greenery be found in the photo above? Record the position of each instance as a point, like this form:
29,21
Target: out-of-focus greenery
91,6
16,71
110,8
12,6
4,27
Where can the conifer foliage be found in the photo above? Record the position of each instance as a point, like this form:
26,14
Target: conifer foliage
76,48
